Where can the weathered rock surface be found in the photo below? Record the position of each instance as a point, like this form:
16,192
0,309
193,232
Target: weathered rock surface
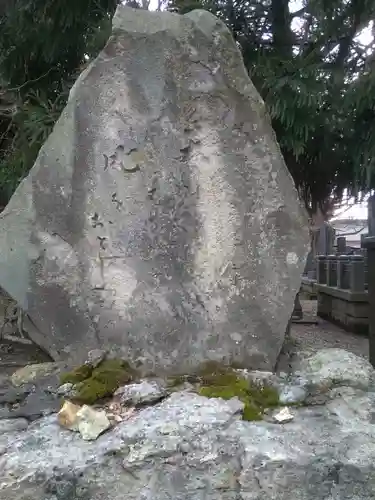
34,394
159,217
330,366
144,392
30,373
189,447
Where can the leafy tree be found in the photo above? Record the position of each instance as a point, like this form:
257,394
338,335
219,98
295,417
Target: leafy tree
308,64
43,45
316,78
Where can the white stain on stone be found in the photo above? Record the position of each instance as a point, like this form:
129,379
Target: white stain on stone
236,337
121,279
60,262
292,258
218,215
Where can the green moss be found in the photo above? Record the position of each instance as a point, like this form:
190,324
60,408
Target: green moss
210,368
227,384
101,381
203,373
113,372
176,381
90,391
78,375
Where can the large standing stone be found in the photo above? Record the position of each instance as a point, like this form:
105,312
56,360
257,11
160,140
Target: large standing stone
159,218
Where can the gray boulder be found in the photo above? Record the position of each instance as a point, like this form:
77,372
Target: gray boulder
189,447
159,219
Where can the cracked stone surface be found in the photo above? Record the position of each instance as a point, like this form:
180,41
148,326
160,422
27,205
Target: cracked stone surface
190,447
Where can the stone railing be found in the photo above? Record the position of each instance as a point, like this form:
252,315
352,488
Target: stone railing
346,272
341,287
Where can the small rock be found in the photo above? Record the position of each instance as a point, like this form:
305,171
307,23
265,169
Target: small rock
184,447
92,423
13,425
65,389
10,395
292,394
142,393
331,367
37,404
30,373
67,416
283,416
259,377
95,357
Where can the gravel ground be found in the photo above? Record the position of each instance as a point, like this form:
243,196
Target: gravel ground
311,338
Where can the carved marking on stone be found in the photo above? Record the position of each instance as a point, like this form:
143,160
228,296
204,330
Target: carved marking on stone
128,160
101,286
102,242
106,162
292,258
95,221
130,170
118,202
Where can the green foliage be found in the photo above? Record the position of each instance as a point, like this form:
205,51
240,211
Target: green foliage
314,73
317,79
43,46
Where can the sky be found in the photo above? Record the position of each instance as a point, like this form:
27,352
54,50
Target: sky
357,211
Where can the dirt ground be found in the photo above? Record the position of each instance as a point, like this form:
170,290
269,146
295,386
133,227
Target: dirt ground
304,337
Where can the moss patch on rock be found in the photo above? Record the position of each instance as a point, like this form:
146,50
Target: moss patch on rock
77,375
94,384
203,373
225,383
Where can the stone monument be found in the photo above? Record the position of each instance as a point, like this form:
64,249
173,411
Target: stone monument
159,219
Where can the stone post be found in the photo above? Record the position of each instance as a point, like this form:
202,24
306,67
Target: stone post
341,245
332,270
369,244
342,272
371,216
357,273
297,311
321,274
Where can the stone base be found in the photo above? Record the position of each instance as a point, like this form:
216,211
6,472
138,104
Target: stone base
193,447
349,310
308,288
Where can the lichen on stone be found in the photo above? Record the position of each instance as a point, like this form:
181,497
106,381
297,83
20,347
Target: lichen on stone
225,383
99,382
